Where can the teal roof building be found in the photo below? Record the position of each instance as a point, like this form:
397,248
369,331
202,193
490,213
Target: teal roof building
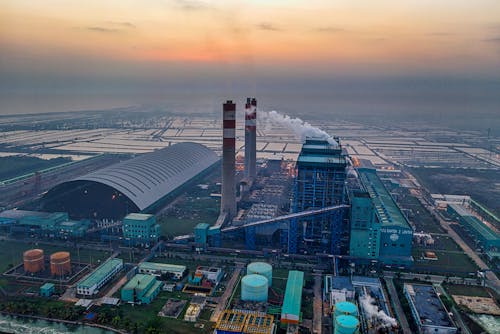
141,289
141,229
47,290
290,312
92,283
482,234
379,230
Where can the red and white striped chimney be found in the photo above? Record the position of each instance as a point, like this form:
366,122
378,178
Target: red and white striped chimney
250,138
228,202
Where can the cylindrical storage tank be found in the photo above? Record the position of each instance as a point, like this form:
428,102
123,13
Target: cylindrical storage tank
33,260
254,288
346,324
346,308
60,264
261,268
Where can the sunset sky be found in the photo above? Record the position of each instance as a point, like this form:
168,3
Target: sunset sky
118,44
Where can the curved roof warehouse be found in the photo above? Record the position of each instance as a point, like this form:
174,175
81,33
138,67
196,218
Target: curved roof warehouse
134,185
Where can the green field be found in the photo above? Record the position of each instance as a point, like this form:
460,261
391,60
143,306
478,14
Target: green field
187,213
466,290
146,316
14,166
11,253
452,262
479,184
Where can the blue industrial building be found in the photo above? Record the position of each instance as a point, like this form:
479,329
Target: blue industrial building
140,229
320,183
379,230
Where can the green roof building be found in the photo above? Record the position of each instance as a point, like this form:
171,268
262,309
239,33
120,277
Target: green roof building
141,289
290,312
91,283
379,230
482,234
141,229
47,290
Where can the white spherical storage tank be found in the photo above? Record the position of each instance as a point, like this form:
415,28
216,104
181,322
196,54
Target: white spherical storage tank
261,268
254,288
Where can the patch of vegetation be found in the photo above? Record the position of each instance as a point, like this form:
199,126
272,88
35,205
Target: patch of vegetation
186,213
478,184
466,290
42,307
145,319
14,166
447,262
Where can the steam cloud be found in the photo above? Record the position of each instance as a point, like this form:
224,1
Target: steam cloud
371,309
299,127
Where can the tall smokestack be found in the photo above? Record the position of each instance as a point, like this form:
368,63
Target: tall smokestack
228,203
250,138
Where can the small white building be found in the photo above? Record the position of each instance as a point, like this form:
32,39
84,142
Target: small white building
212,274
177,272
90,284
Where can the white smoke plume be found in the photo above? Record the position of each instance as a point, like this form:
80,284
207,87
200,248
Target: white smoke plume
371,309
299,127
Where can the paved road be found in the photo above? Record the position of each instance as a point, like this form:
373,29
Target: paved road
227,293
318,305
400,314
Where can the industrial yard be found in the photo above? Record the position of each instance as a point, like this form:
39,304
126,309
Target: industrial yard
170,224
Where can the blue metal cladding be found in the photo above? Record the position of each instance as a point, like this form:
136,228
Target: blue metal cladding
320,182
250,238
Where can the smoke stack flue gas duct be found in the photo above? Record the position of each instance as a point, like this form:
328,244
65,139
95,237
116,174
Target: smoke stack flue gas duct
228,202
250,138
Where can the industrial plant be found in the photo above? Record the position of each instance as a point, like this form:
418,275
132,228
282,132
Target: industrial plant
317,243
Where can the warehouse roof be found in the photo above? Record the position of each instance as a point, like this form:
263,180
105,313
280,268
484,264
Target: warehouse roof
162,267
293,294
139,282
101,271
386,208
429,308
474,223
151,176
478,226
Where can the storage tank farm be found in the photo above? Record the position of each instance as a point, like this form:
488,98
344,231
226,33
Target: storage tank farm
346,308
60,264
261,268
345,319
33,260
254,288
346,324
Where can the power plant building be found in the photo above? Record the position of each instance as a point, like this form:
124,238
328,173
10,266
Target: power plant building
320,183
91,283
379,230
141,289
140,228
141,184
